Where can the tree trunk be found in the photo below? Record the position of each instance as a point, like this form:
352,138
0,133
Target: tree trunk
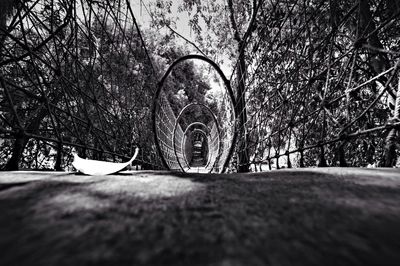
322,161
289,164
341,155
6,6
241,110
17,151
301,163
390,148
57,166
243,165
391,140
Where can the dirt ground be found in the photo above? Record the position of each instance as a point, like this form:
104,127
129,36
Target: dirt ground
326,216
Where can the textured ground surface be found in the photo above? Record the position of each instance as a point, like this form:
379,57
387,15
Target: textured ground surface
299,217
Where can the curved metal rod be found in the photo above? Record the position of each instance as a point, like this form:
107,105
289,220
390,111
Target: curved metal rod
227,86
197,124
205,136
201,131
184,153
177,122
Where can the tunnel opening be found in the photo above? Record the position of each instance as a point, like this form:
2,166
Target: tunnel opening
199,150
192,130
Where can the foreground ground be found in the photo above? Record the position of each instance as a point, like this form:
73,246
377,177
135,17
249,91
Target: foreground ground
299,217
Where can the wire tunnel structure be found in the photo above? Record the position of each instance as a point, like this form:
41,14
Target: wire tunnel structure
314,83
172,141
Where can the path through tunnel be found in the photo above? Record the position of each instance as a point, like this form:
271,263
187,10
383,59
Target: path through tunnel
197,149
196,145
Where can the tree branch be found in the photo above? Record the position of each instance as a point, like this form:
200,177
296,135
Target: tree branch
236,33
188,41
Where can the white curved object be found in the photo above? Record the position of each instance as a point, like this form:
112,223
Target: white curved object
95,167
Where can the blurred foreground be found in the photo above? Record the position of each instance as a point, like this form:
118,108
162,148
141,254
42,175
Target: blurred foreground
328,216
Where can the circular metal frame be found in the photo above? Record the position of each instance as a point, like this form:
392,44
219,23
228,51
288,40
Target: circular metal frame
177,123
227,87
201,131
205,136
197,124
209,154
184,137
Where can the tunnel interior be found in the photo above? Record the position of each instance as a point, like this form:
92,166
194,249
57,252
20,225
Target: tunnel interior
194,125
198,150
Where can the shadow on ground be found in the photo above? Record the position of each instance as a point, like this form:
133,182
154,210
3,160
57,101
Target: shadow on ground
298,217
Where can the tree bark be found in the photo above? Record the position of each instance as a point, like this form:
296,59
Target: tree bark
243,156
289,164
6,6
17,151
390,148
322,161
341,155
301,163
392,138
59,155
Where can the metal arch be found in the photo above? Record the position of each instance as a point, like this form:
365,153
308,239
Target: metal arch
182,148
177,122
201,131
227,87
184,137
197,124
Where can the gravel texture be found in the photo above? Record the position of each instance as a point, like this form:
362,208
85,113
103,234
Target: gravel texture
313,216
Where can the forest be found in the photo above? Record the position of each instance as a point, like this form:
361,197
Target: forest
305,82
